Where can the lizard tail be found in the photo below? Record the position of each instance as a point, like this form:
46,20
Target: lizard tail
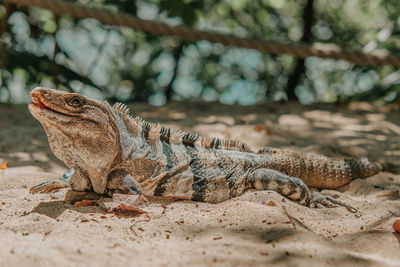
362,168
320,171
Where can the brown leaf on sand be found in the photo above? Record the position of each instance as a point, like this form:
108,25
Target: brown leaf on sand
262,128
84,203
126,205
122,209
3,164
396,226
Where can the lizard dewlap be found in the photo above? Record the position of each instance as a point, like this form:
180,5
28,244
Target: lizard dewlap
110,151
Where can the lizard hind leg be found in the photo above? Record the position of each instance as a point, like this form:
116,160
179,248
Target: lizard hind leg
293,188
119,181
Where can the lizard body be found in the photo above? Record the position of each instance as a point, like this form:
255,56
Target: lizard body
111,151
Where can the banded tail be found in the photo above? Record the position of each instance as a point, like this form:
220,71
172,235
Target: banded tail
321,171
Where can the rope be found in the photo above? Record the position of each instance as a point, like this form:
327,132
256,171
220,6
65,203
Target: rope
60,7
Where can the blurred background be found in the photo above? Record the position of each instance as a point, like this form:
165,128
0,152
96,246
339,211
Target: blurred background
122,64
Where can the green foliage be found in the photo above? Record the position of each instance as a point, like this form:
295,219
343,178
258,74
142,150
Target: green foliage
121,64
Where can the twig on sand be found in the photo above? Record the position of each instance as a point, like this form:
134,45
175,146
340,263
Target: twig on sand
290,218
394,214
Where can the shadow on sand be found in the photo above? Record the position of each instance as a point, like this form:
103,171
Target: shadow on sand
53,209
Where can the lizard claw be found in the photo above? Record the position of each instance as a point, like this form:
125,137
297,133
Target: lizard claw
49,186
323,201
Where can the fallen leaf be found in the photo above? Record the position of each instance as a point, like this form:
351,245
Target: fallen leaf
396,226
262,128
125,205
129,208
3,164
122,209
84,203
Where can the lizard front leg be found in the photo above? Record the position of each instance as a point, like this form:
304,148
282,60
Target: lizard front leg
72,178
293,188
53,185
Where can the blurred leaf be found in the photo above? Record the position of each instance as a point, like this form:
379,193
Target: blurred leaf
3,164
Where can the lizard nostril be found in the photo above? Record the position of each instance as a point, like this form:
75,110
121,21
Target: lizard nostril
34,94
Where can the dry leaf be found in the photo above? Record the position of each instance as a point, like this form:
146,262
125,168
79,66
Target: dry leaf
262,128
271,203
396,226
125,210
84,203
3,164
126,205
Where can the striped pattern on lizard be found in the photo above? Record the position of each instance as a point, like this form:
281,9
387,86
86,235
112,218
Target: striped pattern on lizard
110,151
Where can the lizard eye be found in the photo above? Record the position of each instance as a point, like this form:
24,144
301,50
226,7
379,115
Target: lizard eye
75,102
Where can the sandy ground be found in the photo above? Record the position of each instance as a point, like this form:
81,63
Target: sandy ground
42,230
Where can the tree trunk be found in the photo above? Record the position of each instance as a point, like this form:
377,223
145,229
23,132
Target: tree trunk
293,80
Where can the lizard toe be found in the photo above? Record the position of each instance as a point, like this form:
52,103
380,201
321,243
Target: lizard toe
49,186
321,201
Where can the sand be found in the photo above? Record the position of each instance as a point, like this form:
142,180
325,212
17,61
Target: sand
257,228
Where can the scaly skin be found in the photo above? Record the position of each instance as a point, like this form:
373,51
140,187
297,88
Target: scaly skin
111,151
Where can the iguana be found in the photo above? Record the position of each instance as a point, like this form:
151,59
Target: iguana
109,151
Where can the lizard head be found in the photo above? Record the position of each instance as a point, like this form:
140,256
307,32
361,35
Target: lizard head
82,132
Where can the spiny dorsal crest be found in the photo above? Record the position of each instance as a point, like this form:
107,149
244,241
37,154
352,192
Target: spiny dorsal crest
236,145
190,139
130,123
153,132
121,108
269,150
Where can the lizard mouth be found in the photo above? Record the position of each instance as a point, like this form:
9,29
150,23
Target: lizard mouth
39,103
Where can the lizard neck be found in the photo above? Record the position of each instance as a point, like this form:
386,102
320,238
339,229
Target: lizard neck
133,140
